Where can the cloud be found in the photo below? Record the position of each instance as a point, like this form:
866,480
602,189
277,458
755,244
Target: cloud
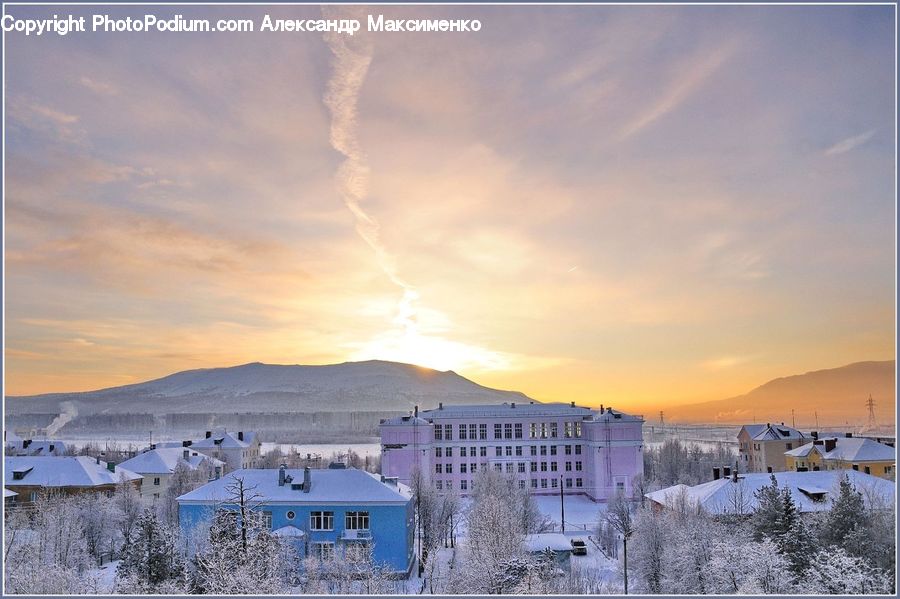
99,87
686,82
850,143
725,362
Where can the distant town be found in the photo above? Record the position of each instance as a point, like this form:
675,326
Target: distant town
489,498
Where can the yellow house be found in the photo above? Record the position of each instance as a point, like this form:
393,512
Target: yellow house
844,453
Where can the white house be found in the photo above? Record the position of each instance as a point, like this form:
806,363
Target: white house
157,466
240,450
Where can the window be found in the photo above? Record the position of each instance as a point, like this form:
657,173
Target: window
518,430
498,431
324,549
462,432
578,429
553,450
620,486
507,431
509,450
553,466
356,521
472,433
509,467
543,430
554,483
482,432
568,429
534,483
568,466
290,515
543,450
543,483
868,470
449,469
462,451
888,469
519,450
463,485
789,446
267,520
438,452
463,468
473,468
578,450
568,483
534,450
483,452
448,432
438,485
321,521
521,467
449,485
543,466
438,433
578,482
534,466
156,481
533,432
498,467
521,484
499,451
554,430
578,466
438,468
155,496
568,450
449,452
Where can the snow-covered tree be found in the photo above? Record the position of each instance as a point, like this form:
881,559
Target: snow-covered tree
836,572
152,561
619,516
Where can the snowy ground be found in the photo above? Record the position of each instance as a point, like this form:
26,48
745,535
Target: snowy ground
582,514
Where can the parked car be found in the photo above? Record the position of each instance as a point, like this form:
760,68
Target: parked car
579,547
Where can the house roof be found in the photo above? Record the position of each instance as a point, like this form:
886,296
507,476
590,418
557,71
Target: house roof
778,432
848,449
163,460
525,410
723,496
68,471
8,493
225,440
327,486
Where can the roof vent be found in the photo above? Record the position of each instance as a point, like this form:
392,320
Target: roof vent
208,434
513,404
440,405
240,435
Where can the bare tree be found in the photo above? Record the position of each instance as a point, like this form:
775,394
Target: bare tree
619,516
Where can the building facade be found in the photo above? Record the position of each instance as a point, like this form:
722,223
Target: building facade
320,512
240,450
761,447
158,465
547,447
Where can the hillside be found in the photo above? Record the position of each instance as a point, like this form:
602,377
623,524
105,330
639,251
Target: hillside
837,395
267,388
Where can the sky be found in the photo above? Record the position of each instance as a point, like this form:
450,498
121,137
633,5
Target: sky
641,205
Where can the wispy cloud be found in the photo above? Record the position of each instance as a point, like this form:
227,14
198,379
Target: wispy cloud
99,87
845,145
686,82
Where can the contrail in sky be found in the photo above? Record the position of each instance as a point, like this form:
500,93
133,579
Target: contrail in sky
352,57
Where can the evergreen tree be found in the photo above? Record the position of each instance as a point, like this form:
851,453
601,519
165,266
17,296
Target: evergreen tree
847,517
768,510
151,558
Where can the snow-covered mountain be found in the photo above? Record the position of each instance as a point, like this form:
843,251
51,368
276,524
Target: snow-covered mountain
256,387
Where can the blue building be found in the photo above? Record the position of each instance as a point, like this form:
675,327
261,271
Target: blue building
319,511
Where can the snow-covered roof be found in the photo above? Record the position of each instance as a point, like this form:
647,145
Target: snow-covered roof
8,493
778,432
525,410
848,449
723,496
225,440
289,531
404,421
752,429
615,415
327,486
68,471
36,447
549,540
163,460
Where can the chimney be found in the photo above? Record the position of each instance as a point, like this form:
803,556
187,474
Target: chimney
441,406
416,411
208,434
240,435
601,408
513,404
307,479
573,404
726,471
281,474
847,435
98,460
187,443
814,434
830,444
715,474
218,472
52,446
782,424
187,454
768,425
111,466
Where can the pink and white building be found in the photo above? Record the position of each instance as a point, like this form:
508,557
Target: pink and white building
547,446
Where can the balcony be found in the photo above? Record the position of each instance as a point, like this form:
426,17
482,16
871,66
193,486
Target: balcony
360,535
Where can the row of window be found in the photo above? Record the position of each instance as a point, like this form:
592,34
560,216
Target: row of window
322,520
510,467
479,432
508,450
542,483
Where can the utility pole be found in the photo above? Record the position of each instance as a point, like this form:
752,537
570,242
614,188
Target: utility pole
562,505
871,425
793,420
